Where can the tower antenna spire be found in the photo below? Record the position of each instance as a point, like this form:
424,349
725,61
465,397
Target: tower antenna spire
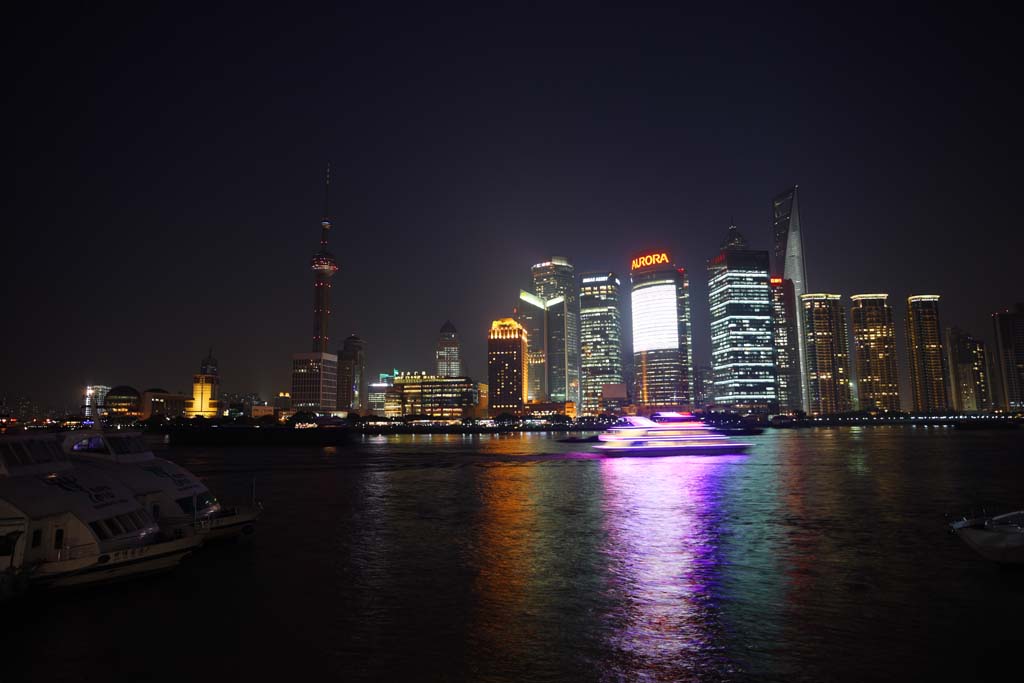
327,192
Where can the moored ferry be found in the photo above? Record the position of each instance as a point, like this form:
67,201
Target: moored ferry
174,497
65,526
673,434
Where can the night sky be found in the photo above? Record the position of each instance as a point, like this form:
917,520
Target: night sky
167,171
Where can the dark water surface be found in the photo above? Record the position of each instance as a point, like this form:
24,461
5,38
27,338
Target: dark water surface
821,555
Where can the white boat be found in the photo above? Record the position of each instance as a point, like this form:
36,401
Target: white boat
175,498
65,526
676,434
999,538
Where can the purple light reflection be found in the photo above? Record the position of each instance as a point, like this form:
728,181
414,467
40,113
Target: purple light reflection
663,520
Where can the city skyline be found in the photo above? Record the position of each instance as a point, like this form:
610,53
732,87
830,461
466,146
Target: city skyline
622,143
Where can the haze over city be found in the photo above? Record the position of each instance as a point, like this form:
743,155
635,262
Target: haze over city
178,205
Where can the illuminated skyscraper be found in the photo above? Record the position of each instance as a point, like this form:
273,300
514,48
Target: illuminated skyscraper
448,352
785,314
1009,358
93,400
827,354
600,338
547,326
662,344
874,352
205,400
967,367
507,350
927,360
742,349
551,280
352,378
315,375
530,312
788,263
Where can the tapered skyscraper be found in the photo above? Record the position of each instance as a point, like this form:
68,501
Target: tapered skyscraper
324,267
874,352
788,263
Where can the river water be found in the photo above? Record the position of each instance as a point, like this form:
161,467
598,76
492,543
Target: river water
820,555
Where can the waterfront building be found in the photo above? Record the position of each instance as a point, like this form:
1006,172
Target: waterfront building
448,352
283,401
874,352
552,280
376,396
93,400
314,382
662,341
312,389
445,398
827,354
205,401
742,345
600,338
703,387
787,262
1009,357
927,360
967,367
161,403
507,349
352,378
785,314
123,401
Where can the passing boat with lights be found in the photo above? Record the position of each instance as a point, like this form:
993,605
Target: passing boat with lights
671,434
65,526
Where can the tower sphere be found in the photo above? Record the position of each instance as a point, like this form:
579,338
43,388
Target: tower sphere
324,264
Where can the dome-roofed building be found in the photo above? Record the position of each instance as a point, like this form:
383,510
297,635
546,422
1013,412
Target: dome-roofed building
124,401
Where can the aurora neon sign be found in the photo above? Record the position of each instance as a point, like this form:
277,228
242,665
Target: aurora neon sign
647,260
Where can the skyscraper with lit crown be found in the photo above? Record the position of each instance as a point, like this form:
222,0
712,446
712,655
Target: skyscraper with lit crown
448,352
927,360
874,352
827,354
554,280
507,372
662,340
315,375
205,401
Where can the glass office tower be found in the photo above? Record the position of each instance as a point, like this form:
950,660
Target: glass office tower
742,348
662,341
553,279
600,338
787,349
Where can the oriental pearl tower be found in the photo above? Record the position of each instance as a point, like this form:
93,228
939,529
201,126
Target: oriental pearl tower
324,267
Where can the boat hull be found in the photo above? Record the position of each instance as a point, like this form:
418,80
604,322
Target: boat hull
117,565
997,546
